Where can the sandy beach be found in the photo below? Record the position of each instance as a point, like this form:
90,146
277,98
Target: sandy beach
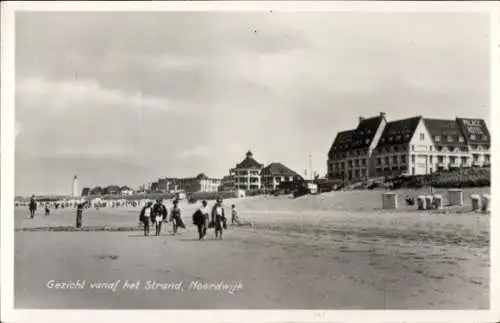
332,251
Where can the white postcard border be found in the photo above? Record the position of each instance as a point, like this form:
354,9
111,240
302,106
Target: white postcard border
7,170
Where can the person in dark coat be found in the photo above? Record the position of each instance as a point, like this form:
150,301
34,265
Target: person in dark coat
32,207
145,216
218,219
47,210
200,219
79,213
159,215
176,217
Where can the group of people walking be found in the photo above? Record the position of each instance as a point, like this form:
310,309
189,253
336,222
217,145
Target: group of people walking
202,218
157,214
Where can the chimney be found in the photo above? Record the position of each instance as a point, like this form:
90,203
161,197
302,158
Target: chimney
382,114
361,119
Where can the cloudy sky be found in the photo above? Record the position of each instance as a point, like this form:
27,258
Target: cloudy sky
122,98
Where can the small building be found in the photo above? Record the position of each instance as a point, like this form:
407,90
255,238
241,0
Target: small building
276,174
246,174
126,191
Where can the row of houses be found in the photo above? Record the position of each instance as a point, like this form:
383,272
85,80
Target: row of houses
412,146
248,175
107,190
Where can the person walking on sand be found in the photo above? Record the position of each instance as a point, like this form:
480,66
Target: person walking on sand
218,219
176,217
200,219
47,210
160,214
145,216
79,213
32,207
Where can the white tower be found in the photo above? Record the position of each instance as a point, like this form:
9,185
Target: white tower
74,192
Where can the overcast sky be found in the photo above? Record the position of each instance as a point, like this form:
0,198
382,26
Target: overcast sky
122,98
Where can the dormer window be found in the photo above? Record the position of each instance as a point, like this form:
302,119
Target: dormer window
407,136
367,141
390,138
398,137
472,137
461,139
449,138
437,138
484,137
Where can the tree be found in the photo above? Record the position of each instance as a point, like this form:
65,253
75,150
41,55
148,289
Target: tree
85,191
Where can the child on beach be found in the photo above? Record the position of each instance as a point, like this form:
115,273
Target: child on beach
235,219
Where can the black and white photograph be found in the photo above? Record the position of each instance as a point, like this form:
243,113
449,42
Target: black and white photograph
266,159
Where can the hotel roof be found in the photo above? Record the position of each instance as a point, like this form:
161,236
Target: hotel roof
398,132
475,131
249,162
278,169
364,133
445,132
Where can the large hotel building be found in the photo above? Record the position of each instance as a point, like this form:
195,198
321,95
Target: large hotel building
413,146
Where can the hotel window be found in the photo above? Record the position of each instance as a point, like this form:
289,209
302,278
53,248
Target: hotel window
363,161
475,157
430,148
367,141
350,163
407,136
430,159
396,148
472,137
356,162
422,136
487,157
390,138
464,160
437,138
413,158
395,159
440,159
398,137
387,160
484,137
452,159
379,161
403,158
449,138
461,139
412,147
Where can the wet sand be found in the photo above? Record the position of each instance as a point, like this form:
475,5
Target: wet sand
301,254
